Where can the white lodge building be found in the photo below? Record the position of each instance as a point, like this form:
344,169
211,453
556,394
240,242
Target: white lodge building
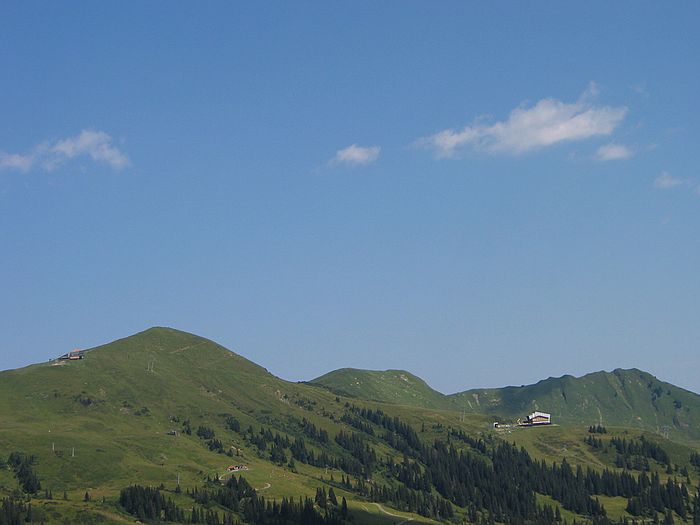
539,418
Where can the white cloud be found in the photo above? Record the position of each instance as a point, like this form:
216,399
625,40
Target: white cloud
89,143
547,123
613,151
14,161
356,155
96,144
667,181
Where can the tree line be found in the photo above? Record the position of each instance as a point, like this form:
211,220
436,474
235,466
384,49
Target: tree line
633,454
501,481
239,499
21,465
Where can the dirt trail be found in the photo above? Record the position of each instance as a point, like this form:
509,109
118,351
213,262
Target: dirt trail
382,509
182,349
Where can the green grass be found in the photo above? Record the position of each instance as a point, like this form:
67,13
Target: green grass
390,386
622,398
565,514
193,378
554,443
46,412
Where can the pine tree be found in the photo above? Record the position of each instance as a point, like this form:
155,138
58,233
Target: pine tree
331,496
668,519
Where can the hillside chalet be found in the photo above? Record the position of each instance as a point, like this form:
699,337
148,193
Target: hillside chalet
538,418
73,355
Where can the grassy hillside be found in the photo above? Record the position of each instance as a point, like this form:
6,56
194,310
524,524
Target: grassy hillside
102,423
389,386
626,398
116,406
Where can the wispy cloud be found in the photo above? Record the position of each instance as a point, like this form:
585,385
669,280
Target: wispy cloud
667,181
14,161
97,145
548,122
356,155
613,151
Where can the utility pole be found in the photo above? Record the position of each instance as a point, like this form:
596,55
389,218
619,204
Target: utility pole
72,454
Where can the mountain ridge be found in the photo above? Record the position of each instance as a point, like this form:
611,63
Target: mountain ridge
165,406
624,397
629,396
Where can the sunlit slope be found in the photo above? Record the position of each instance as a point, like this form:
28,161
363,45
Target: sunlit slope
624,398
102,423
116,406
629,398
161,369
389,386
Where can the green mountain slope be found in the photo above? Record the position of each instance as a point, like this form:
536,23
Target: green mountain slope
628,398
389,386
116,405
105,422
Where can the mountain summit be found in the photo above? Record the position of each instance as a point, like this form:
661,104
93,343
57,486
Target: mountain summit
389,386
619,398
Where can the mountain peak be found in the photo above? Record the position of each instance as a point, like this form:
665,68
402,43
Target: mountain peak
388,386
623,397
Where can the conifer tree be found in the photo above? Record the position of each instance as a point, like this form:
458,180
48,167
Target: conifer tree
668,519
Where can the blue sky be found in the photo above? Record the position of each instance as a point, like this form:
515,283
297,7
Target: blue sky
483,195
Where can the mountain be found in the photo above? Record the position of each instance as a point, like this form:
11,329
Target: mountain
622,398
169,409
104,422
116,405
160,371
389,386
